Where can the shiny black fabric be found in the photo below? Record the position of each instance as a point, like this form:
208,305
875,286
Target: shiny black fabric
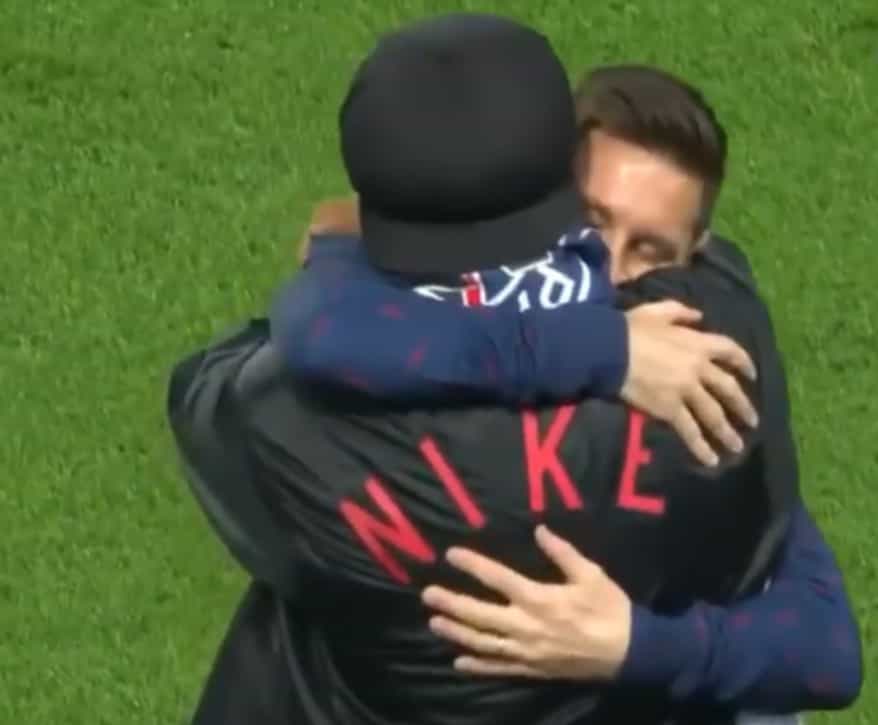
327,636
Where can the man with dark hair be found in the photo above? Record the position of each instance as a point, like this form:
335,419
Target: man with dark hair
650,166
654,111
330,499
651,163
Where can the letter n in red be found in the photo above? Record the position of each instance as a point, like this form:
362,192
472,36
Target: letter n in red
396,530
453,485
636,456
541,459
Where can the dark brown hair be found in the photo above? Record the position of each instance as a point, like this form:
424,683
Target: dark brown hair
659,112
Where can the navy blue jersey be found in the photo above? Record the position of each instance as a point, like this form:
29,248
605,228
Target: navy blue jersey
542,331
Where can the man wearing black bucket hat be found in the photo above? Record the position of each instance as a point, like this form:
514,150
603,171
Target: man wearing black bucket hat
458,134
333,500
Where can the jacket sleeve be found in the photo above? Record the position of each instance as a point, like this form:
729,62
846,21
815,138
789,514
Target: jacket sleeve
206,416
730,258
793,647
701,654
342,324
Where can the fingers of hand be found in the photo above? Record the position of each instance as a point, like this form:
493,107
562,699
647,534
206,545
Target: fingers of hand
689,430
680,314
568,559
712,417
726,351
730,394
496,668
492,574
670,312
474,640
471,611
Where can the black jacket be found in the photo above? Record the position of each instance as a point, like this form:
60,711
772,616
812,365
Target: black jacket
343,511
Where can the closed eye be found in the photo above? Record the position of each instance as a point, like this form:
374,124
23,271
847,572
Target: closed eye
656,249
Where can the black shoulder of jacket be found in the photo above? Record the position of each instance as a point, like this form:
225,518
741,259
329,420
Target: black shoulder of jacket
729,258
206,415
720,283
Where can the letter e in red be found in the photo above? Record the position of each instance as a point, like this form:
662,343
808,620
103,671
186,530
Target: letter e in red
636,457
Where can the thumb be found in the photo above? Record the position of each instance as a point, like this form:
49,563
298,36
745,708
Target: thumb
572,564
672,312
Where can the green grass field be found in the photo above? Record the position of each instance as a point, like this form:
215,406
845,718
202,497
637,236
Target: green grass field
158,157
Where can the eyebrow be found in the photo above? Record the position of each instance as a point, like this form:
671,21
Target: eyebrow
593,205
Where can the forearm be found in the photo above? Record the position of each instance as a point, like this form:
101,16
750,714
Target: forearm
394,344
793,647
570,353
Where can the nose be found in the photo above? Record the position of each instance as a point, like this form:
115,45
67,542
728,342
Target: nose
615,246
617,276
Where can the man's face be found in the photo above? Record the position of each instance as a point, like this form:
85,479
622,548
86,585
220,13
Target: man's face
646,207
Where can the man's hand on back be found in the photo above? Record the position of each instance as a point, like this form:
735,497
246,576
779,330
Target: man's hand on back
686,378
578,630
